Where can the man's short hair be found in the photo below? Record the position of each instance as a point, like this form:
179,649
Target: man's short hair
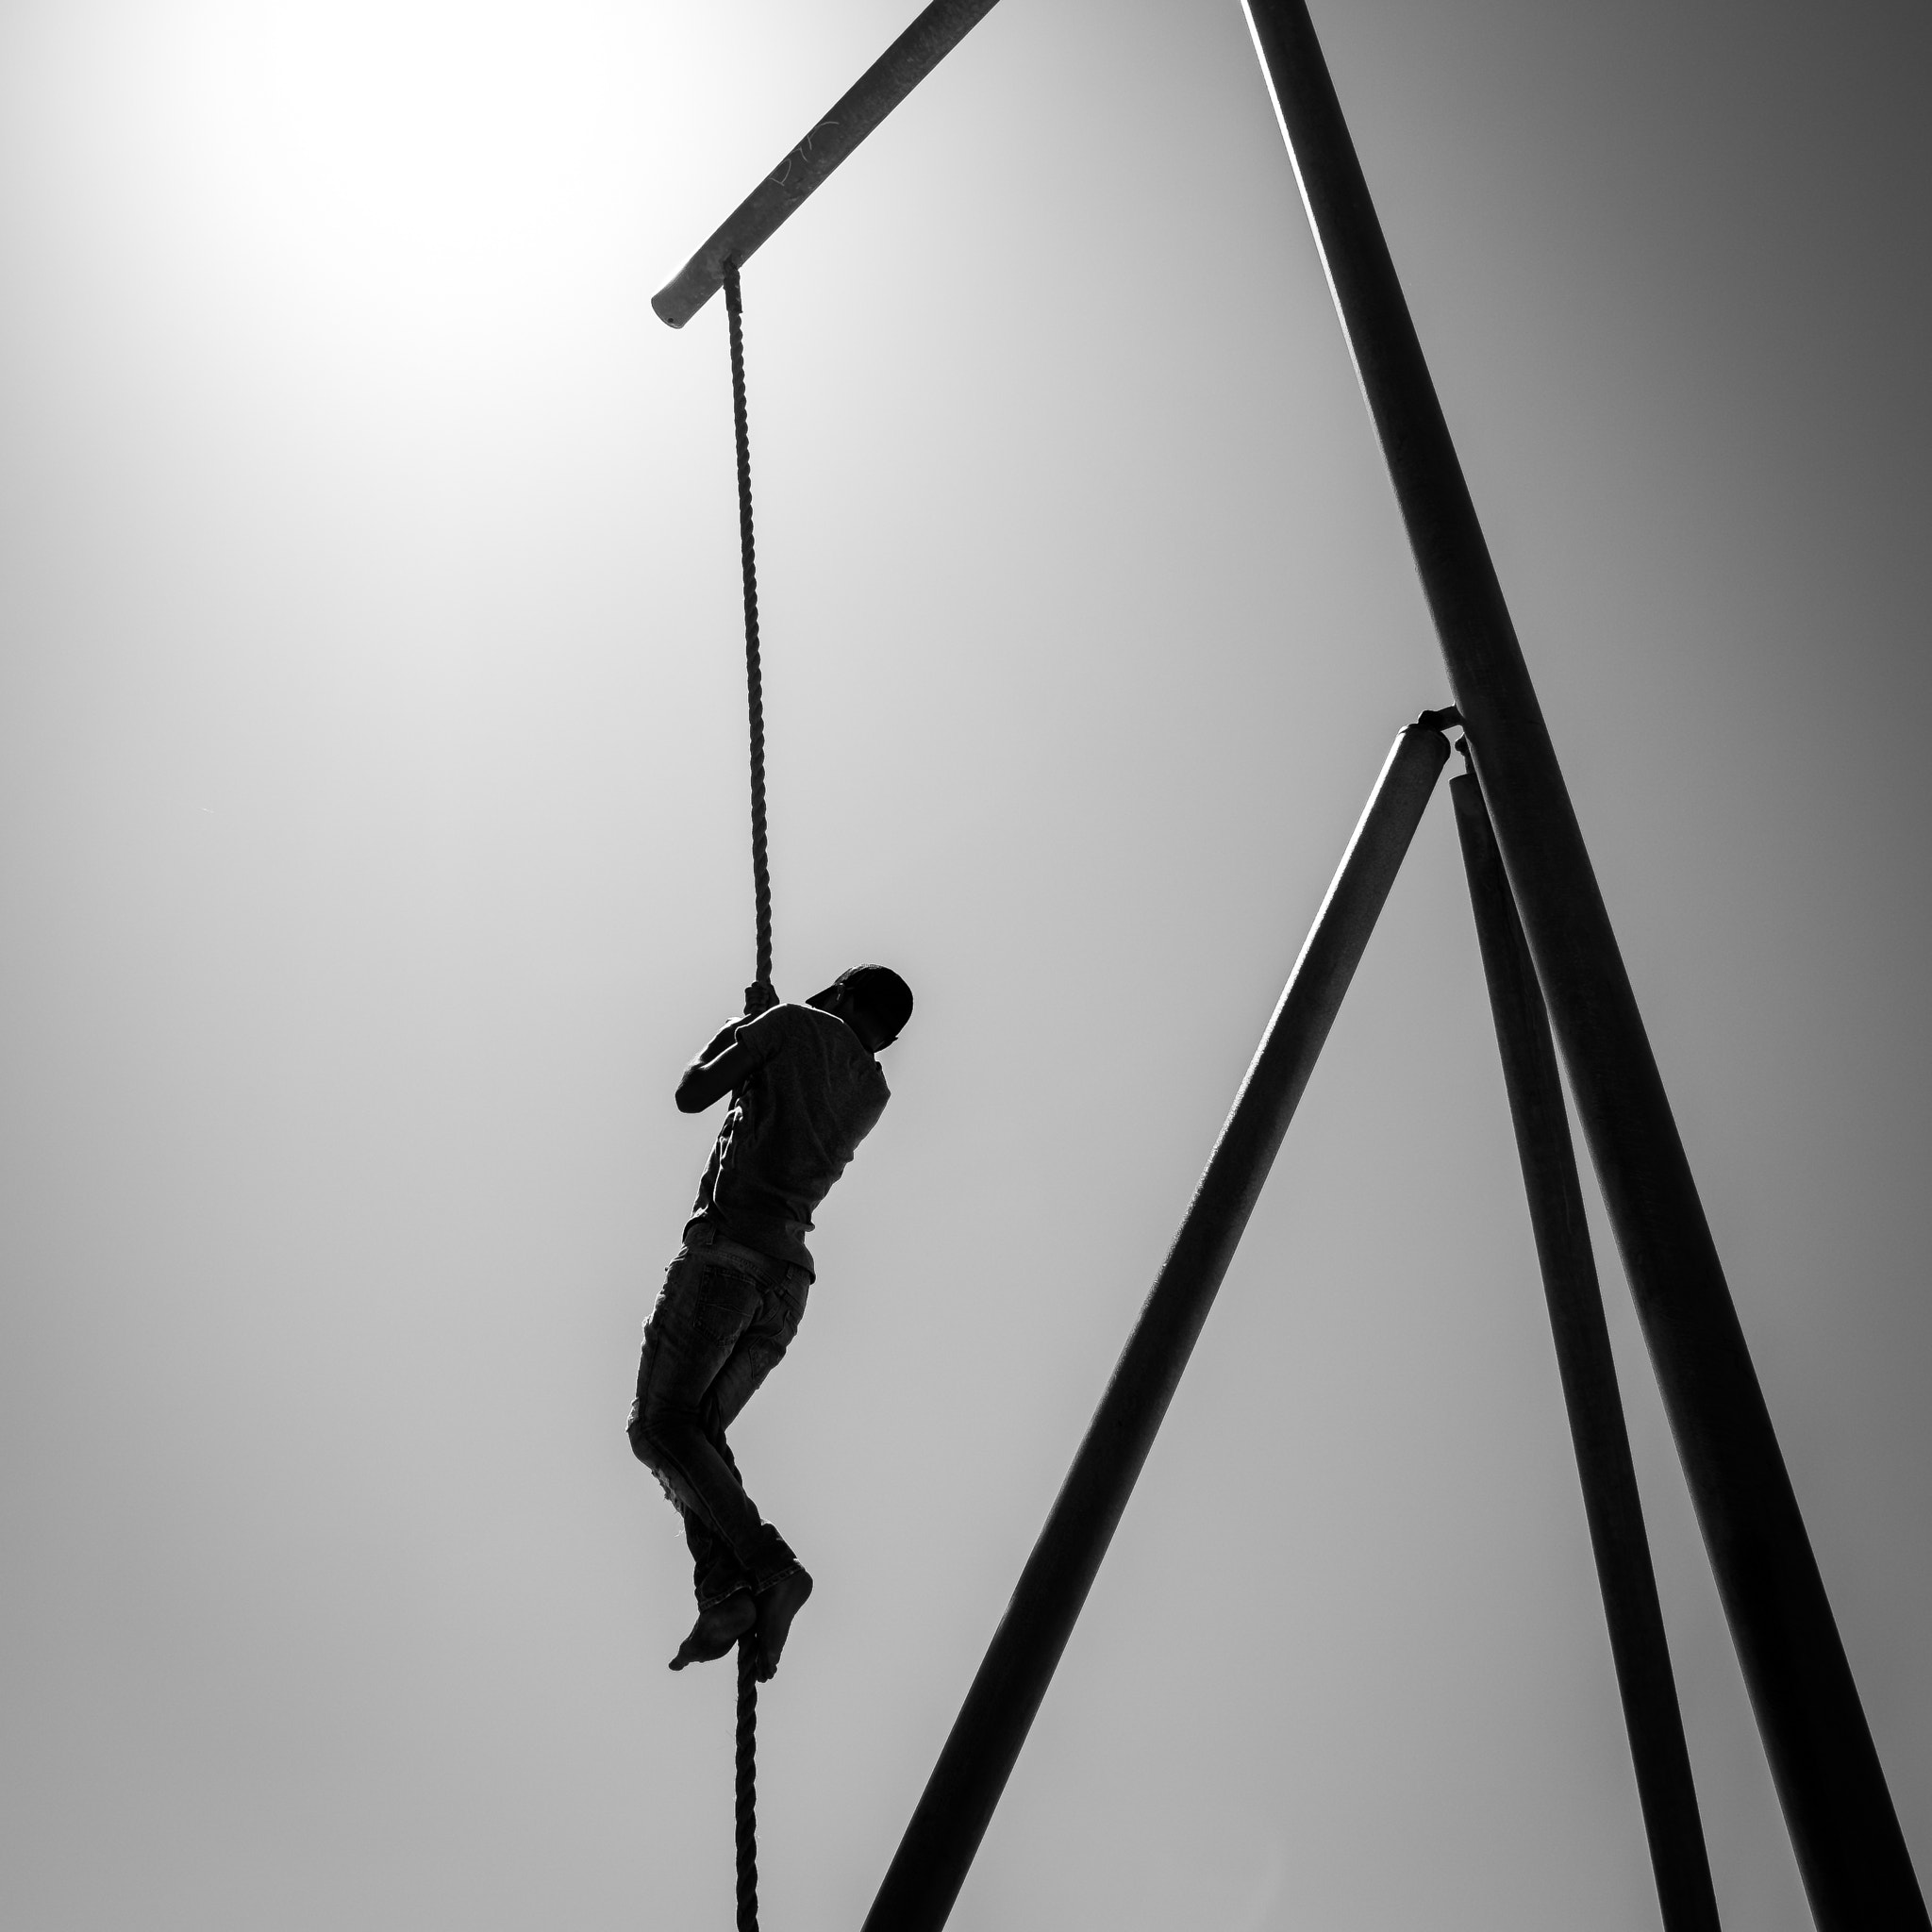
886,998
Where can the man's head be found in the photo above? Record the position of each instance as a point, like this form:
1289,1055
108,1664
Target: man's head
872,1000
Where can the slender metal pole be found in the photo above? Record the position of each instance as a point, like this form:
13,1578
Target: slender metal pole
1589,1373
1851,1852
930,1865
853,116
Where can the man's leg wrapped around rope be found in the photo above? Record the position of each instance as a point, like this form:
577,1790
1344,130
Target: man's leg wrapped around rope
721,1322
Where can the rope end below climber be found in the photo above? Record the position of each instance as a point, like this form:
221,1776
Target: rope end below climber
747,1786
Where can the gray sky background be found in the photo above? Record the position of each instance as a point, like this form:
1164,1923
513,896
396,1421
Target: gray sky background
373,854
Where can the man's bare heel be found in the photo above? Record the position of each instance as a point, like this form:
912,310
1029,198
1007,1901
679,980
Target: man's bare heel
777,1603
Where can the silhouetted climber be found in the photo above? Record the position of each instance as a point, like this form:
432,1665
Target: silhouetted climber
806,1090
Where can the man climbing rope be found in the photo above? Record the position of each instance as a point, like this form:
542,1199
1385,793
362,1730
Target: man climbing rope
806,1090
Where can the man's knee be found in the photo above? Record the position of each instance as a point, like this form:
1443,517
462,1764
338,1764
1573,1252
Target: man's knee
647,1451
648,1434
657,1427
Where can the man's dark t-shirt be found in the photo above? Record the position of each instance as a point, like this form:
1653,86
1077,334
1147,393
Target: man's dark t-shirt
812,1095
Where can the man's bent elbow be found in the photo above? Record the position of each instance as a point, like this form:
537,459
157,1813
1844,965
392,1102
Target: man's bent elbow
701,1086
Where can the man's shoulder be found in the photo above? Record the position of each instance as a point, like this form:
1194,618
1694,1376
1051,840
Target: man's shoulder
778,1026
803,1037
801,1022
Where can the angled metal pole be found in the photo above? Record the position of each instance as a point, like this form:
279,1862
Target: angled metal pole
851,118
1589,1373
931,1862
1857,1871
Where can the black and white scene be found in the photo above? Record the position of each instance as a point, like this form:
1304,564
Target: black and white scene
965,966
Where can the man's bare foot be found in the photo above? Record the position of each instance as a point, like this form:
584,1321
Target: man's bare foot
717,1631
777,1603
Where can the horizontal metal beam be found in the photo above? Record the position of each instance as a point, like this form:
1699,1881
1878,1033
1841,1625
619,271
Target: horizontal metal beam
951,1818
853,116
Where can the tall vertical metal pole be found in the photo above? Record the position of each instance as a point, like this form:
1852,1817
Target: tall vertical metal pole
1588,1375
930,1865
1853,1856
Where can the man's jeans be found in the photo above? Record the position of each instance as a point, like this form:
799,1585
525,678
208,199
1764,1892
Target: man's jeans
723,1320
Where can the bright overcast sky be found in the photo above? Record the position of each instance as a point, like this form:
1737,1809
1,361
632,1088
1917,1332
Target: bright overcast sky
372,854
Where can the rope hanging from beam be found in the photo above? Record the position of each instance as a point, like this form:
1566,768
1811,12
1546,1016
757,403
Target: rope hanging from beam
759,995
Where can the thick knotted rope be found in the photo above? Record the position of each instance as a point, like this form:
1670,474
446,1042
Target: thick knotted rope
747,1783
757,994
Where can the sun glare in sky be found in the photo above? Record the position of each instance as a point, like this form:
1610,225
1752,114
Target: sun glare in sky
409,176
